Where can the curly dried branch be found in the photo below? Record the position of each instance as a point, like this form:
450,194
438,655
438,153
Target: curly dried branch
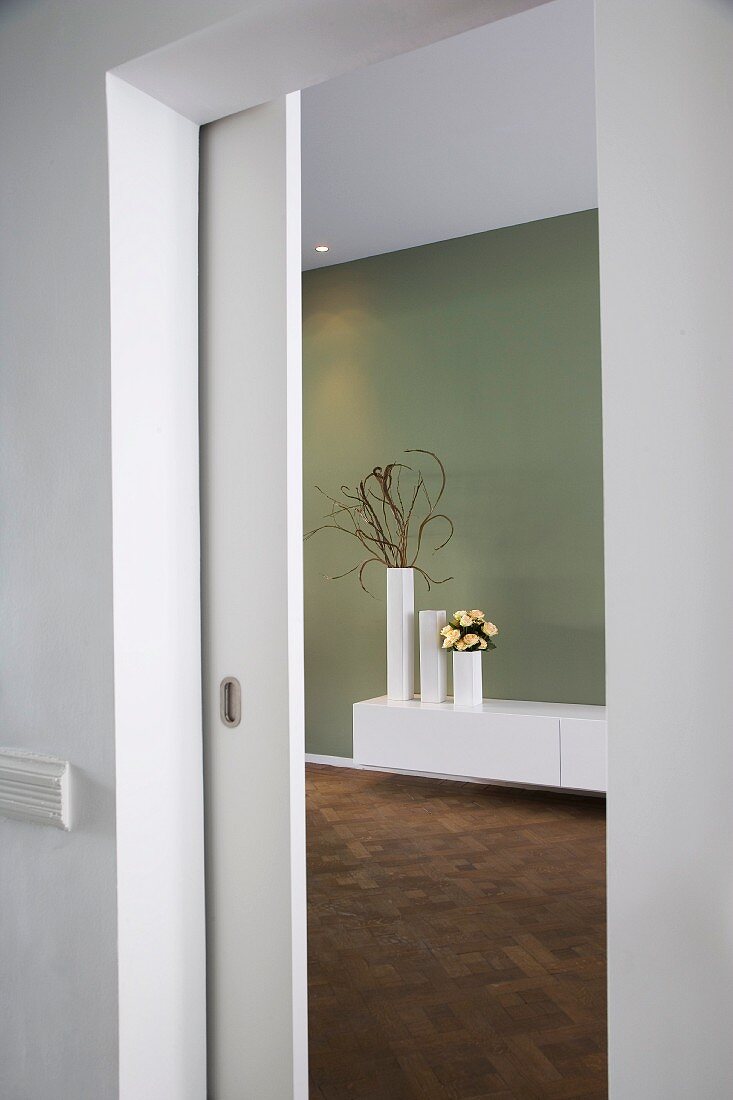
384,516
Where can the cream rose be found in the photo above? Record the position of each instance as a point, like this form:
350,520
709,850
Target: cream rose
461,645
466,620
484,644
490,629
476,614
459,614
446,631
451,638
471,639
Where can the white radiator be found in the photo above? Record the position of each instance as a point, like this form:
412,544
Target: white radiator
34,788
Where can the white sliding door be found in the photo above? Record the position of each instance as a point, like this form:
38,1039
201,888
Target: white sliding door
252,602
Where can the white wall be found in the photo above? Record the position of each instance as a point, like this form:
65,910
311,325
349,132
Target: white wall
665,118
153,155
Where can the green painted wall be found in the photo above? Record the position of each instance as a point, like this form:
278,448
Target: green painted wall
486,350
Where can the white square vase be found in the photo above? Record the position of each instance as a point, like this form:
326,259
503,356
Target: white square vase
467,680
400,633
433,658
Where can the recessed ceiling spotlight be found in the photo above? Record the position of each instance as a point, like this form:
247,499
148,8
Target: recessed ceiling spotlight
321,248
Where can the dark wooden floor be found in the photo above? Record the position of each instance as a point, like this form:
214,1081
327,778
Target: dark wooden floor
456,940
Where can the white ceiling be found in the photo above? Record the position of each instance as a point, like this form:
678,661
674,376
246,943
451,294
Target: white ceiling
492,127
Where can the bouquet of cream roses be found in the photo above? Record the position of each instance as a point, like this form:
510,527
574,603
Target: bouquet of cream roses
469,631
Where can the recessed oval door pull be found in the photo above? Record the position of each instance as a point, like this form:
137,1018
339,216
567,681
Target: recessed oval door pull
230,701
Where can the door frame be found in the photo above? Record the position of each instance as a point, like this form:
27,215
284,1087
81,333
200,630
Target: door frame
286,55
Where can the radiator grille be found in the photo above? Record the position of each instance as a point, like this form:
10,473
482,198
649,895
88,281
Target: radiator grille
34,788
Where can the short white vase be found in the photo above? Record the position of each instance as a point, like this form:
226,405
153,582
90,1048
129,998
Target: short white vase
400,633
433,662
467,680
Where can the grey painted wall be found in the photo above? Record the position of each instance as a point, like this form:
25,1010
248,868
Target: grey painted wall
58,971
665,84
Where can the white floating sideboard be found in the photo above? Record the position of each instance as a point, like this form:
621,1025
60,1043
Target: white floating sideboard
542,744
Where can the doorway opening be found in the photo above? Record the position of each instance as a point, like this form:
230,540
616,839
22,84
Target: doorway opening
451,305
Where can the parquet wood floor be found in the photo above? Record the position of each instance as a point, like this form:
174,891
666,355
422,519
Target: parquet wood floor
456,940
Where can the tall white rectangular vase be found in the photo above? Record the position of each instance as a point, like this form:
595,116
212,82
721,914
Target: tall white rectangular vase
433,663
400,633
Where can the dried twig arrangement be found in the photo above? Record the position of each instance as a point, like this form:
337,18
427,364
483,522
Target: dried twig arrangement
383,514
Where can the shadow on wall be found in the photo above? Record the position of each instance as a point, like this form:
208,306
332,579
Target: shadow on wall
486,350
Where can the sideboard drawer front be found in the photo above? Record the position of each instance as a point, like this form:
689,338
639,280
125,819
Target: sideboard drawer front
513,748
583,754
